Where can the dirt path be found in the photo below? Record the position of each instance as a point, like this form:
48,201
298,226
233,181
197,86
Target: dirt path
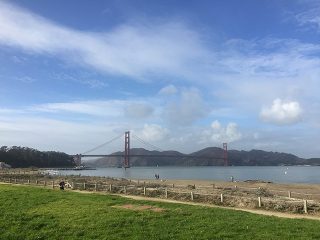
255,211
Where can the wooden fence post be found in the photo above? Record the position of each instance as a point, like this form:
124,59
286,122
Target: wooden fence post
72,185
305,207
166,192
37,182
191,194
289,194
29,181
95,186
144,191
110,187
259,202
221,198
84,186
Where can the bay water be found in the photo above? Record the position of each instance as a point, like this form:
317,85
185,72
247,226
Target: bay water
277,174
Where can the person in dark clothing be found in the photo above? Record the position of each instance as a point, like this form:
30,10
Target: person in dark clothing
62,184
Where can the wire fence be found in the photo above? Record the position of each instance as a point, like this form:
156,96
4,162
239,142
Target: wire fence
236,196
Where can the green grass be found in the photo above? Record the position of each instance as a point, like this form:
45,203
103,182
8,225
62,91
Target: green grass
36,213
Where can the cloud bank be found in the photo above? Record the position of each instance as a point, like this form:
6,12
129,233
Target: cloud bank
131,50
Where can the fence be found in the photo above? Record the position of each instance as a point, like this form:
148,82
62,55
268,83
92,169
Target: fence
232,196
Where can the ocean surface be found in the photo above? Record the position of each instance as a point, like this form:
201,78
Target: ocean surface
279,174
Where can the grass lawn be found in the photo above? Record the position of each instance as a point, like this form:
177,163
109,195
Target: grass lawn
36,213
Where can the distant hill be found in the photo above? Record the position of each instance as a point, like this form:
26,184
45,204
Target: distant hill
211,156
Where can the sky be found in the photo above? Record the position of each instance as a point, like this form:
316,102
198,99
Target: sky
181,75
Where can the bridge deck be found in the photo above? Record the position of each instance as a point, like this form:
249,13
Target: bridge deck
151,155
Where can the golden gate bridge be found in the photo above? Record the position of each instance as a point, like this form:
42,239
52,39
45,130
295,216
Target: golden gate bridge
126,154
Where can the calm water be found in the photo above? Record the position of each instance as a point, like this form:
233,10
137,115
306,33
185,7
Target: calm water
296,174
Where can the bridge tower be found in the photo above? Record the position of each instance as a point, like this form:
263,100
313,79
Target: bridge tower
225,154
127,149
77,159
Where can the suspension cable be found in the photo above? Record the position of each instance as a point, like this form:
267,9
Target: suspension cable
103,144
146,143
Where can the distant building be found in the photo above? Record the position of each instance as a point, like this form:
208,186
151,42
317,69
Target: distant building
4,165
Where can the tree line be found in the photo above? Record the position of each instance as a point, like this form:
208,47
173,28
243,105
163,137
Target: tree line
28,157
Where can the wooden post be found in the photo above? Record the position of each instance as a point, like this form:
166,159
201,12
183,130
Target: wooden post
191,194
95,186
72,185
52,184
84,186
305,207
259,202
289,194
144,191
37,182
110,187
166,192
28,181
125,189
221,198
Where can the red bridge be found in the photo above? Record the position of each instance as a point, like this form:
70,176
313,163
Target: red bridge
126,156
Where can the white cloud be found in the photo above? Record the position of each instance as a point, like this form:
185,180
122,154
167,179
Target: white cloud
60,135
26,79
153,132
115,109
111,108
168,90
138,110
132,50
94,83
188,108
282,112
310,17
219,134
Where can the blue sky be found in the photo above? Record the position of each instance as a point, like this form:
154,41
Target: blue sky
182,75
